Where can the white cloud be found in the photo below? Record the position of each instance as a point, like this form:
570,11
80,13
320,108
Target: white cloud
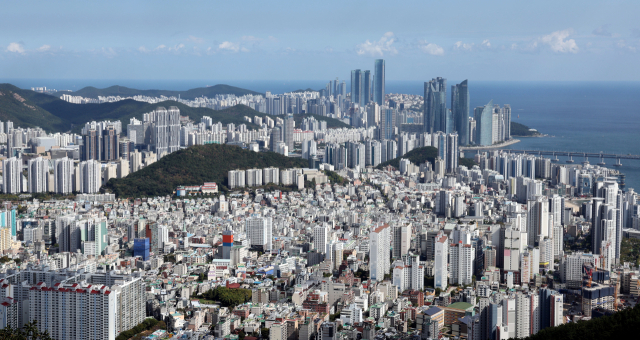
44,48
431,48
378,48
15,48
459,45
160,47
231,46
486,43
143,49
559,43
622,44
195,39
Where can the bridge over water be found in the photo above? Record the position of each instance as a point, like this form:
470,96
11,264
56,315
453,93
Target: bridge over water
571,154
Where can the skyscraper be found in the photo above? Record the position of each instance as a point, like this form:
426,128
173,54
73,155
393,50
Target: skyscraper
356,86
165,130
38,175
12,176
460,110
365,94
379,79
435,105
387,128
90,177
483,116
259,232
379,251
287,133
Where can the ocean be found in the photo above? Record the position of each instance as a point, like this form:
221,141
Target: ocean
576,116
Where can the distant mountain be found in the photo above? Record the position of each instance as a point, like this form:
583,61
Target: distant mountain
17,106
29,109
421,155
194,166
116,90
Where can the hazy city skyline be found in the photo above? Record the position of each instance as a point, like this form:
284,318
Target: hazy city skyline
545,40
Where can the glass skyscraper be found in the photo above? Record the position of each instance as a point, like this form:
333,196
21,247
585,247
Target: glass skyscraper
435,105
378,87
365,95
484,124
460,110
356,86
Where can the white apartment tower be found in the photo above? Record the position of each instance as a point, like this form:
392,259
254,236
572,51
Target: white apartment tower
90,176
38,171
440,258
260,231
379,249
320,238
12,176
63,176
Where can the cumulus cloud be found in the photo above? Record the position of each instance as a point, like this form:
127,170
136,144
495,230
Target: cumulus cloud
378,48
44,48
143,49
460,46
624,45
559,43
15,48
602,31
195,39
431,48
231,46
486,43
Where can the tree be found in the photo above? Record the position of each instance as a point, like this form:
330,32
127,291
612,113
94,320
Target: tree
30,331
265,333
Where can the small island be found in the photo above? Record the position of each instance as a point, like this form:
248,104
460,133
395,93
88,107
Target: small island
521,130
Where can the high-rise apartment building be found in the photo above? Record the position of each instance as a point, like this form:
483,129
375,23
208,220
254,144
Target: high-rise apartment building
483,115
379,252
440,271
460,111
287,132
63,176
259,232
90,177
379,82
165,130
356,86
38,171
435,105
12,175
401,240
320,238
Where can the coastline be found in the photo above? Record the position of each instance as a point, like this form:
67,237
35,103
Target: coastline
487,147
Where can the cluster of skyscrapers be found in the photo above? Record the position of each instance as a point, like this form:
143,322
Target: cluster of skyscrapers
489,124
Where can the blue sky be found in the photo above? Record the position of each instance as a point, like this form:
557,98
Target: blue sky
300,40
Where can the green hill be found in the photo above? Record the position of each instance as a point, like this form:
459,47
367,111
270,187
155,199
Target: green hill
116,90
332,123
18,107
420,155
521,130
621,325
194,166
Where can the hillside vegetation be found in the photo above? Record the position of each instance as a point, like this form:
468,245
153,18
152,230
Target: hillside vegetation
521,130
421,155
27,108
116,90
621,325
194,166
22,111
